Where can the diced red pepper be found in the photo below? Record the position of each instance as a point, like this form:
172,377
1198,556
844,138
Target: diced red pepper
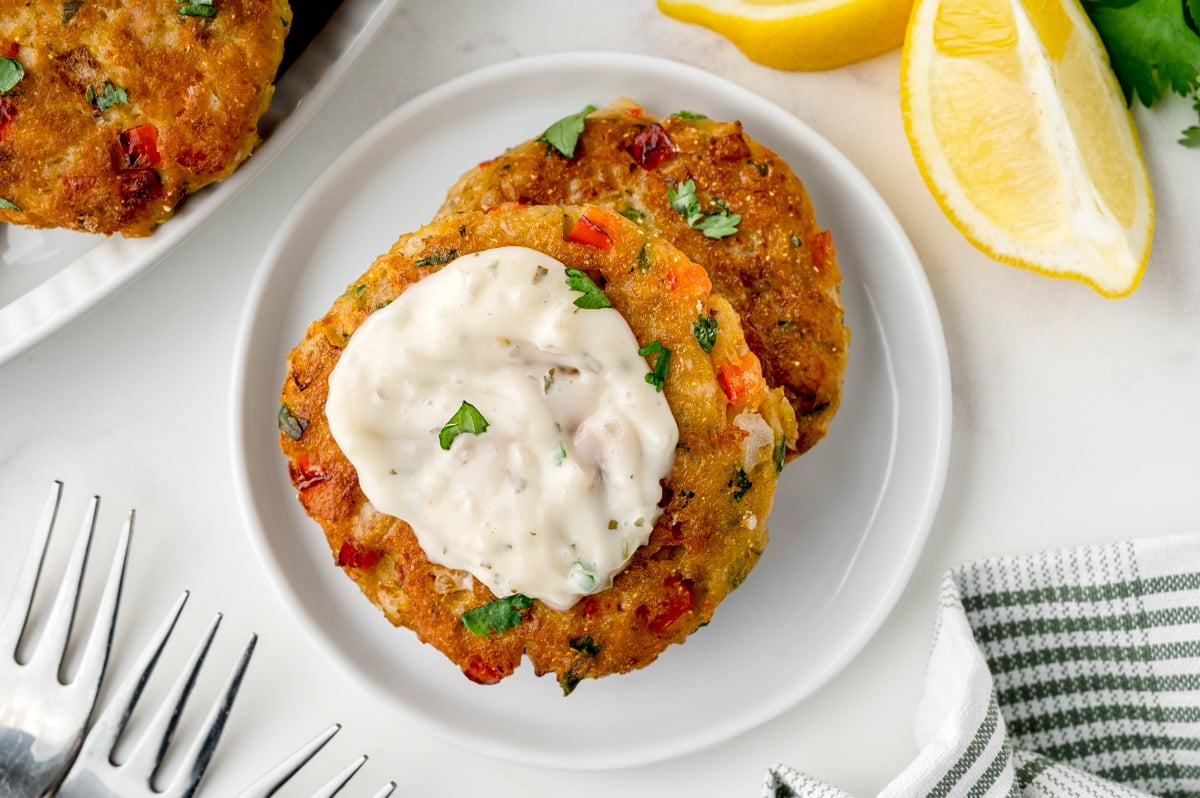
139,145
680,600
8,114
305,473
9,49
740,378
634,111
585,231
652,147
481,672
351,555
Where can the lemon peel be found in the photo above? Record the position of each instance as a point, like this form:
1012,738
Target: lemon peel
804,35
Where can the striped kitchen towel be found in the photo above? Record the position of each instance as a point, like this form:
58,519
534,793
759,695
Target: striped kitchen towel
1074,673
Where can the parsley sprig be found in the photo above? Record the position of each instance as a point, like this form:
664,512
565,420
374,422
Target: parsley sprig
109,96
1153,49
200,8
662,363
714,225
593,298
705,330
11,73
467,419
497,616
564,134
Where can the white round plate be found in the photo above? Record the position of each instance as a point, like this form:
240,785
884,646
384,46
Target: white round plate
850,517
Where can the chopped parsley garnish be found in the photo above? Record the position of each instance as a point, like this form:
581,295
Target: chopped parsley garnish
465,419
290,424
780,453
439,258
69,8
201,8
9,205
632,214
496,616
741,485
662,363
690,116
564,134
11,73
795,241
109,96
715,225
582,577
593,298
705,330
585,645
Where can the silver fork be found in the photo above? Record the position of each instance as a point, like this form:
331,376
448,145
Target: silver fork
95,774
42,720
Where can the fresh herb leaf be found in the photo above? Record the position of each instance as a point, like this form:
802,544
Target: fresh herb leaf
690,116
109,96
465,419
662,363
290,424
632,214
11,73
719,225
795,241
683,200
201,9
564,134
585,645
497,616
9,205
741,484
705,330
1191,137
593,298
780,453
439,258
69,7
643,258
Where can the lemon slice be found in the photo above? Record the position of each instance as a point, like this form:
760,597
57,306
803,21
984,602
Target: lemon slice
1021,132
800,34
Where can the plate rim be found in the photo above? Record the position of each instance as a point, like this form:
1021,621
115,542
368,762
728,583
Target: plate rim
115,262
926,312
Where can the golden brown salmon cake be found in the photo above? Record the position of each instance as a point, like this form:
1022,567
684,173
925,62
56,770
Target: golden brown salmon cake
715,499
686,177
112,110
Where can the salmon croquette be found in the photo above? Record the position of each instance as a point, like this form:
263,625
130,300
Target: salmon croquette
513,587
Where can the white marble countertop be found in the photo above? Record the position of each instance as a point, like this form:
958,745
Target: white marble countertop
1075,420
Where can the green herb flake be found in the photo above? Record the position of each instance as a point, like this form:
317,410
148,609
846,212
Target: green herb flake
69,7
795,241
662,363
539,273
8,205
780,453
719,225
716,225
290,424
564,134
689,116
643,258
705,330
593,298
585,645
11,73
465,419
741,484
109,96
439,258
201,9
497,616
632,214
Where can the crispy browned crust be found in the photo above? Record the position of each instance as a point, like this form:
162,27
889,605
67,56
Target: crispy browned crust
779,271
713,527
202,83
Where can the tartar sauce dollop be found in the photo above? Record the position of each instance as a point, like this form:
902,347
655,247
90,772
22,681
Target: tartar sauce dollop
559,490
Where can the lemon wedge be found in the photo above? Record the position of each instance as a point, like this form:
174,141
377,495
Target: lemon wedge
800,34
1021,132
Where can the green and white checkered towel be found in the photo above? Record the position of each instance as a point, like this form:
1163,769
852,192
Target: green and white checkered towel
1072,674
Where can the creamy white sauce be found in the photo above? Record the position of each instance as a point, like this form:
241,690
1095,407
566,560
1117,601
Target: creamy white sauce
553,499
